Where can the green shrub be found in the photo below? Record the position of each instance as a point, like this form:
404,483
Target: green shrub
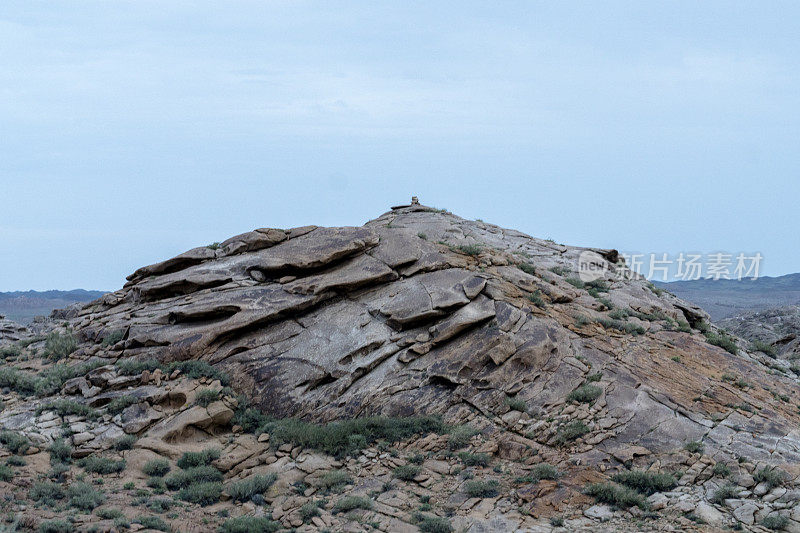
250,524
722,470
416,458
570,432
156,467
308,511
646,483
56,526
348,436
575,282
557,521
58,346
460,437
20,382
536,299
102,465
406,472
108,513
474,459
773,477
125,442
592,378
724,341
432,524
14,442
157,483
544,471
350,503
765,347
203,493
250,419
190,476
468,249
49,381
616,495
152,522
117,405
113,337
60,451
244,490
527,268
585,394
6,473
776,522
334,479
192,459
517,404
84,497
478,488
133,367
206,397
195,369
559,270
64,407
725,492
15,460
10,351
694,447
46,492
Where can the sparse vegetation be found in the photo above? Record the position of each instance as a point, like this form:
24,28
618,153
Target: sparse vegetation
46,492
725,492
64,407
202,493
527,268
125,442
206,397
14,442
350,503
250,524
775,522
432,524
113,337
117,405
474,459
84,497
517,404
156,468
102,465
243,490
646,483
544,471
723,340
764,347
334,479
56,526
203,458
570,432
585,394
478,488
198,474
460,436
152,522
60,451
721,469
694,447
772,476
536,299
406,472
616,495
59,345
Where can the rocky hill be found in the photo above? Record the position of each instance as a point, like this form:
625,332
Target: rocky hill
779,328
23,306
725,298
419,373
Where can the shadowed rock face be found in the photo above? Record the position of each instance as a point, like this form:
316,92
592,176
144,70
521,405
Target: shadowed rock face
402,316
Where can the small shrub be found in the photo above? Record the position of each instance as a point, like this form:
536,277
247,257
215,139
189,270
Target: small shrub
460,436
125,442
134,367
422,236
536,299
102,465
108,513
544,471
557,521
406,472
334,479
416,458
694,447
15,460
60,451
581,321
204,493
192,459
190,476
575,282
152,522
478,488
308,511
764,347
250,524
570,432
156,468
725,492
10,351
646,483
585,394
776,522
117,405
724,341
206,397
468,249
243,490
56,526
616,495
474,459
112,338
722,470
46,492
350,503
517,404
84,497
527,268
14,442
593,378
773,477
160,505
58,346
432,524
6,473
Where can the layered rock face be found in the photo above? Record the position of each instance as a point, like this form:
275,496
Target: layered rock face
778,327
421,312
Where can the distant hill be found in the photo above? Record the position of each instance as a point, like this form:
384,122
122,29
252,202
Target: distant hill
22,306
725,298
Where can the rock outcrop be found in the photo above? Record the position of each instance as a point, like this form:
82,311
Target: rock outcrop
420,312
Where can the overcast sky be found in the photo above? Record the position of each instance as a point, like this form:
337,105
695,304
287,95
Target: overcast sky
132,131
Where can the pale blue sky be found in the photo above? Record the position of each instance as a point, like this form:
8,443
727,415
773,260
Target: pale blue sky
131,131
